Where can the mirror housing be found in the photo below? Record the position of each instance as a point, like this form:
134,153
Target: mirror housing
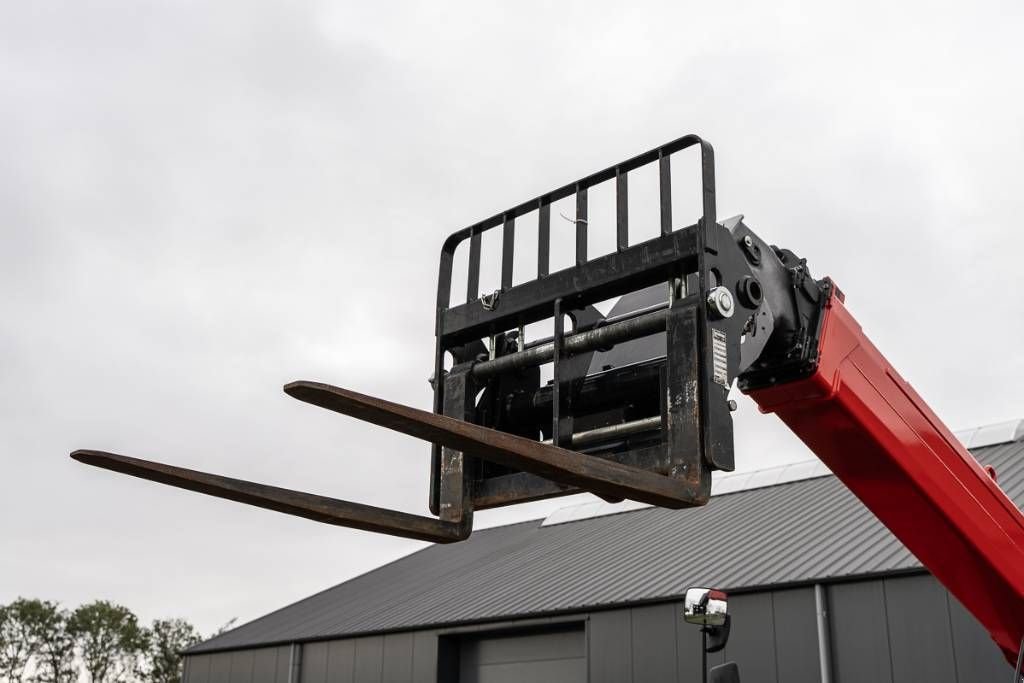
705,607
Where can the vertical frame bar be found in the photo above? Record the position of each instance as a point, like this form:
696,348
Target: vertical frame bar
581,225
543,239
665,186
710,218
508,247
456,500
434,500
561,387
621,210
707,177
473,281
684,414
444,301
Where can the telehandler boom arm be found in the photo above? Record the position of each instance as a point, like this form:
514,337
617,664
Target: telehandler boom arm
880,438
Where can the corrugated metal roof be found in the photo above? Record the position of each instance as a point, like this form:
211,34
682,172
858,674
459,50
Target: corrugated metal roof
723,483
797,531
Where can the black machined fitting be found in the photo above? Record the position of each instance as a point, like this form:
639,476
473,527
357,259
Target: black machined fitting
749,291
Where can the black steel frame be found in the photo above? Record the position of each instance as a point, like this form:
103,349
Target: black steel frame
695,427
651,430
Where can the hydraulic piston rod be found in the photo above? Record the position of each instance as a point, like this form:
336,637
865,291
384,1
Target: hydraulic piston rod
579,342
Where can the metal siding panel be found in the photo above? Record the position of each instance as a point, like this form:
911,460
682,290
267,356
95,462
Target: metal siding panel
314,663
220,667
341,661
398,653
284,662
978,659
919,633
860,636
369,659
610,646
424,657
654,644
752,639
796,636
241,666
264,665
198,669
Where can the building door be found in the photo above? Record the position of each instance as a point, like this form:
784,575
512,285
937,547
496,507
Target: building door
540,657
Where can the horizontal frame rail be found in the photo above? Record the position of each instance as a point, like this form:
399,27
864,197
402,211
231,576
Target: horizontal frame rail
605,277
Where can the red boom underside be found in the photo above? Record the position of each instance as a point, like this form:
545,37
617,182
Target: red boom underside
886,445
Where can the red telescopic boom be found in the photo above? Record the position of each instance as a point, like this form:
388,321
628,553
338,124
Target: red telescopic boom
880,438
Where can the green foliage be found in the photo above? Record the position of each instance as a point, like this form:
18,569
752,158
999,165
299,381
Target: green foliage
55,659
32,631
18,637
167,638
109,639
42,643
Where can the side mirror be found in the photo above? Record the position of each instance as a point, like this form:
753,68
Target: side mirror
705,606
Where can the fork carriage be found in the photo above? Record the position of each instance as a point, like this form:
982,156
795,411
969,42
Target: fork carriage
667,413
637,406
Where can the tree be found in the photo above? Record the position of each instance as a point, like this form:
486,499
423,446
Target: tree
15,648
56,646
20,624
167,638
14,651
44,643
109,639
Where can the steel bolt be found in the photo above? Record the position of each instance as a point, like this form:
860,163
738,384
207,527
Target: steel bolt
720,302
747,241
732,405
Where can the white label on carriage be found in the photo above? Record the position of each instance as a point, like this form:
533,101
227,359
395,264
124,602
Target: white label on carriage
719,358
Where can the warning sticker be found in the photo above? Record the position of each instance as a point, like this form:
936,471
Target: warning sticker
719,358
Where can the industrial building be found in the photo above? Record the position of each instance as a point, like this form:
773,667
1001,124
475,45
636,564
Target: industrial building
819,591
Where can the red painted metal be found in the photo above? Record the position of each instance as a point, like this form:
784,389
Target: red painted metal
886,445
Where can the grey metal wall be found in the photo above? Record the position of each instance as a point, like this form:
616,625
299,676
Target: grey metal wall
264,665
908,629
891,630
774,638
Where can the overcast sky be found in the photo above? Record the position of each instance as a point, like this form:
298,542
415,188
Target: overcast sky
200,203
